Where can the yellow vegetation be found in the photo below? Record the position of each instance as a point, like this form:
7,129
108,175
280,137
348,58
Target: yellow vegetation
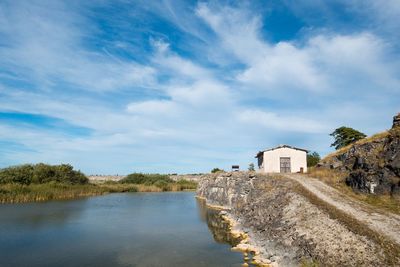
336,179
17,193
331,177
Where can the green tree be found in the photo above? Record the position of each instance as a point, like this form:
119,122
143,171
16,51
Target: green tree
345,136
313,159
251,167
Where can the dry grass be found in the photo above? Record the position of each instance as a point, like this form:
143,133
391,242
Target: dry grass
331,177
309,263
17,193
336,179
359,142
385,202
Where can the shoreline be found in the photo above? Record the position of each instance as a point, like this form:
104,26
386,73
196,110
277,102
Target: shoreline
17,193
251,252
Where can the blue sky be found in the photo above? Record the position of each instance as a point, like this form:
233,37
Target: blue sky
113,87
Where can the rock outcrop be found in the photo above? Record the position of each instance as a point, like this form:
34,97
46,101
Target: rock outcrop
396,121
372,164
283,227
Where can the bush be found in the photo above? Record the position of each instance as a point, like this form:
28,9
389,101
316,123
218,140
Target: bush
251,167
147,179
313,159
162,184
42,173
216,170
185,184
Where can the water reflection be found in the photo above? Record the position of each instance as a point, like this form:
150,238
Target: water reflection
41,215
217,226
137,229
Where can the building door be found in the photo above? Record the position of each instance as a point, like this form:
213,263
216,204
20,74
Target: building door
285,164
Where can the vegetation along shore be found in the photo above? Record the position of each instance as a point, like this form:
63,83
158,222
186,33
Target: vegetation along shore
42,182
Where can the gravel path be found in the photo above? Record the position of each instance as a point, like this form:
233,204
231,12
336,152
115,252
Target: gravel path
385,223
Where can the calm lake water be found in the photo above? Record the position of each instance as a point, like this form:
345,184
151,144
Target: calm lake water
132,229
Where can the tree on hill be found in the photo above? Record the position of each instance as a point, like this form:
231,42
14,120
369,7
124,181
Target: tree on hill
313,159
345,136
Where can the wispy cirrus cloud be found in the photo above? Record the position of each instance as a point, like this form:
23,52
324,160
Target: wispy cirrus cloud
40,47
178,87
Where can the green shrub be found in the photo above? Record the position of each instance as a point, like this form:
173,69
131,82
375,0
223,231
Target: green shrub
313,159
216,170
162,184
251,167
147,179
185,184
41,173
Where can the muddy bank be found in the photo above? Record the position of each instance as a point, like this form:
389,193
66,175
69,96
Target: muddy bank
283,226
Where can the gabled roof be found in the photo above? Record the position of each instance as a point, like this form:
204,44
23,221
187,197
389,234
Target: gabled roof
280,146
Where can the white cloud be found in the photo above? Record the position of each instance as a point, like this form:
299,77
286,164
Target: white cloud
317,65
269,67
292,123
41,47
284,67
156,107
203,110
347,57
176,65
238,31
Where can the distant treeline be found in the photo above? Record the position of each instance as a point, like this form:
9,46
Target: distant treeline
147,179
41,182
159,180
41,173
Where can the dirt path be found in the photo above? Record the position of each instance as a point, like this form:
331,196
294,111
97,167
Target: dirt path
384,223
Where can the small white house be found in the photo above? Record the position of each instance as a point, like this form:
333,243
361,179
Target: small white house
282,159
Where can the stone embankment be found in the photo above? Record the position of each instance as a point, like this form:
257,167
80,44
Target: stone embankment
283,224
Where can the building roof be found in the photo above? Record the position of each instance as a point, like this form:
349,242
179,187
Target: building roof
280,146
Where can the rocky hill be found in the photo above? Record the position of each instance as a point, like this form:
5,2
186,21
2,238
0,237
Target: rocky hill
372,165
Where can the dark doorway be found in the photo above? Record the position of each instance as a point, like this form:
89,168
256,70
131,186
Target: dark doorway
285,164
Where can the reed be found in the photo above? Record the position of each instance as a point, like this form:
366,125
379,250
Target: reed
19,193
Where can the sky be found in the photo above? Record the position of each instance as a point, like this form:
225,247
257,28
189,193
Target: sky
114,87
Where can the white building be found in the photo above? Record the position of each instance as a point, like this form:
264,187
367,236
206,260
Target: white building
283,159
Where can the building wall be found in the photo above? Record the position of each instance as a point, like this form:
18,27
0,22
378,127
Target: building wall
298,159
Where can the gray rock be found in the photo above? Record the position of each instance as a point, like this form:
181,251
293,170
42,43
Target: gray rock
372,166
396,121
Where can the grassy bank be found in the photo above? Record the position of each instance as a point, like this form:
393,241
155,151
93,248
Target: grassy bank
18,193
42,182
337,180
